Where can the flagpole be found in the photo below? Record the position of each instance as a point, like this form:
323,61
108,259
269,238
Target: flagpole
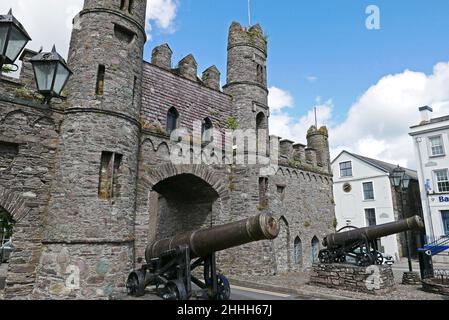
249,13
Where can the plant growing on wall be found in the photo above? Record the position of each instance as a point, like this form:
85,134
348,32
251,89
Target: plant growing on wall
307,224
232,123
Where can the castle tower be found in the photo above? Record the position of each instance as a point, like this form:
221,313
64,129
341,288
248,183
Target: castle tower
247,76
89,228
318,140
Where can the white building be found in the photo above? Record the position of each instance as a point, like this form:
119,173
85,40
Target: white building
364,196
431,141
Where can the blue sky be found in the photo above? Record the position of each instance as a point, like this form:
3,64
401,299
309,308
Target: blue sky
323,39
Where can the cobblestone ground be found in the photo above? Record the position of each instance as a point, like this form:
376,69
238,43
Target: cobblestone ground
298,283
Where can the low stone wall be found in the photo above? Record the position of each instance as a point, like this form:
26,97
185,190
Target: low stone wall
375,280
435,286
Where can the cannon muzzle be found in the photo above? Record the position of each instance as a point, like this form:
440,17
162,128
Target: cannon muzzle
205,242
337,240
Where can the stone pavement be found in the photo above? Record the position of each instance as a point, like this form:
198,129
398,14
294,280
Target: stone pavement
297,283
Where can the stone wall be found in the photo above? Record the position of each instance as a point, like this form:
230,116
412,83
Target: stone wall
375,280
29,135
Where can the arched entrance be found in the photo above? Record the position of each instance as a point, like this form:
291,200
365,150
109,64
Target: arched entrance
6,245
176,198
184,202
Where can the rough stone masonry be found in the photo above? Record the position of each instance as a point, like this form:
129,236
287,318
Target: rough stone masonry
89,178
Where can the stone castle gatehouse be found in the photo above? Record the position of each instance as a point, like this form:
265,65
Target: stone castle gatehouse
90,181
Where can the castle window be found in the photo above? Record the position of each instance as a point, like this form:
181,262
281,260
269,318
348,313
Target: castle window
263,190
261,133
123,34
130,6
281,192
100,80
206,131
260,74
134,89
297,251
122,4
172,120
109,169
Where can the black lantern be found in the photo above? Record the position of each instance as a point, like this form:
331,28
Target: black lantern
13,38
51,73
397,177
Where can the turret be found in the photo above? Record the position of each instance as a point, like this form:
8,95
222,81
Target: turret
318,139
247,74
94,191
211,78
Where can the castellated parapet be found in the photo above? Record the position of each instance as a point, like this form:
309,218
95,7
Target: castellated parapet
162,56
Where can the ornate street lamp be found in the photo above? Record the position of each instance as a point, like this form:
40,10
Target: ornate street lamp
13,39
401,182
51,73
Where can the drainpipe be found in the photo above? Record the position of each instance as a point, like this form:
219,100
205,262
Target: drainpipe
432,233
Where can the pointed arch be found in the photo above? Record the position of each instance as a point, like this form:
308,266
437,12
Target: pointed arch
297,252
172,120
315,249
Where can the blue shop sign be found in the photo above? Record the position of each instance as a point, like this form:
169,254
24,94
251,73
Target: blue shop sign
443,199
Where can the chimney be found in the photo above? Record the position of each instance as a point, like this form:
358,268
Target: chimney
426,113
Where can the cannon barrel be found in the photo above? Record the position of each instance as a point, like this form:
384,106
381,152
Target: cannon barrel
336,240
204,242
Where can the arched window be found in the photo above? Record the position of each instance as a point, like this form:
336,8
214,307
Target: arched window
207,131
6,227
297,251
172,120
315,249
261,132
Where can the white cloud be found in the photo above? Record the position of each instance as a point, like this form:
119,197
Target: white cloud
50,21
312,79
279,99
378,124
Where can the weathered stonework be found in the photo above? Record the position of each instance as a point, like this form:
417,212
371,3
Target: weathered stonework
72,241
376,280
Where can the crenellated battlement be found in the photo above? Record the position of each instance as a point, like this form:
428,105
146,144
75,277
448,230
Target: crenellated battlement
254,36
314,156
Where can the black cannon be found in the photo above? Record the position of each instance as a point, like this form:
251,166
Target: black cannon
171,262
361,244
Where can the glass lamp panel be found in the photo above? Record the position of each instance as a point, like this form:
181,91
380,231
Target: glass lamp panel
44,75
3,35
62,75
17,42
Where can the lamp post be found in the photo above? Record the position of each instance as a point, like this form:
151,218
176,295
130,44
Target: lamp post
51,73
13,38
401,182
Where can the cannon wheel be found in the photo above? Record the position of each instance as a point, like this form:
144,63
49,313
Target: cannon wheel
175,290
136,283
379,258
224,288
325,256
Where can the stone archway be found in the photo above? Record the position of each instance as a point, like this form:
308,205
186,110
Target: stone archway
14,203
176,198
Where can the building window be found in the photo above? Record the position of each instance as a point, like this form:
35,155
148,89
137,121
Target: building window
100,80
281,192
122,4
134,90
442,180
436,146
297,251
109,170
315,250
445,216
263,189
368,191
370,215
346,169
172,120
206,131
260,72
130,6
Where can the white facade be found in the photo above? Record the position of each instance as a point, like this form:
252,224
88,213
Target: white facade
431,143
352,207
